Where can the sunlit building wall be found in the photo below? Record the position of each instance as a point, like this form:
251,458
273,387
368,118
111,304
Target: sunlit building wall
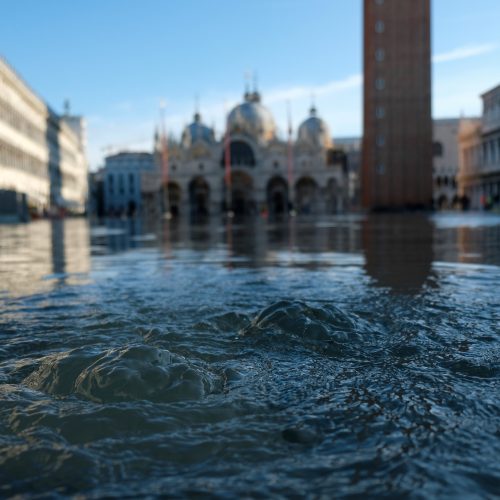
42,154
470,162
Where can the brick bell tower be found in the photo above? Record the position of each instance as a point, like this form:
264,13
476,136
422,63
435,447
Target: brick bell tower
397,137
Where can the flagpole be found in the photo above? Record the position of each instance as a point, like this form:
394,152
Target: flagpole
227,173
164,161
290,161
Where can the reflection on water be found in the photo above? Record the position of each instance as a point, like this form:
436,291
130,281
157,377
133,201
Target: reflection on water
398,250
35,257
347,356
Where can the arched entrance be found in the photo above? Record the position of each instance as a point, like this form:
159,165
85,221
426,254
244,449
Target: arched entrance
242,200
240,153
277,195
172,202
331,196
306,191
199,196
442,202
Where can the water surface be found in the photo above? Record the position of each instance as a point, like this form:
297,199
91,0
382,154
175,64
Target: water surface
337,357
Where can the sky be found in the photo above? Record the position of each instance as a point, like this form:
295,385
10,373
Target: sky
116,60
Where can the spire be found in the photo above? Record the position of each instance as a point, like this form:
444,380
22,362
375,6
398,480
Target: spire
197,116
312,109
247,77
255,93
255,82
289,118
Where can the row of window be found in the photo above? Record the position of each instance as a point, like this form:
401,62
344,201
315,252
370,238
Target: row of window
446,181
68,180
17,121
491,151
492,107
13,157
380,85
120,180
49,137
380,81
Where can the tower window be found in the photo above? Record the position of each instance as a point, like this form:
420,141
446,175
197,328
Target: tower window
380,26
380,112
380,169
380,55
380,84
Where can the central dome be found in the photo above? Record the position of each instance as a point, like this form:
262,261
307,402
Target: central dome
252,118
314,132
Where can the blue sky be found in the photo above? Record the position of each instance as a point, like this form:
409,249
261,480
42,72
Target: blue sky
116,59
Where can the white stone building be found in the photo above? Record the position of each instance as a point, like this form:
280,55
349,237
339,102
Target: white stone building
351,147
491,147
479,177
445,162
267,174
42,154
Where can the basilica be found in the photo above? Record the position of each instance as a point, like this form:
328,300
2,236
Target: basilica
251,169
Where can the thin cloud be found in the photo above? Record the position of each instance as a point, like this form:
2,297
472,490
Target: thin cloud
301,92
465,52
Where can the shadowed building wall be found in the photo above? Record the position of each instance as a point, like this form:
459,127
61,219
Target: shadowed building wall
397,142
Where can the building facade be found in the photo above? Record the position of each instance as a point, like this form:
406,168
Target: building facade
470,167
351,147
397,142
445,150
479,174
42,154
122,179
491,148
251,170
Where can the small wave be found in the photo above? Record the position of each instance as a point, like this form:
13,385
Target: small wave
325,328
474,368
136,372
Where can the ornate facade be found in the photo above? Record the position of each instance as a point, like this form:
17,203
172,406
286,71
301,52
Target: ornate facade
267,174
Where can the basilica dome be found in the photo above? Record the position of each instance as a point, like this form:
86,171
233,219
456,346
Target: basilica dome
252,118
197,131
314,132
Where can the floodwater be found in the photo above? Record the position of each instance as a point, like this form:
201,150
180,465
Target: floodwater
348,356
